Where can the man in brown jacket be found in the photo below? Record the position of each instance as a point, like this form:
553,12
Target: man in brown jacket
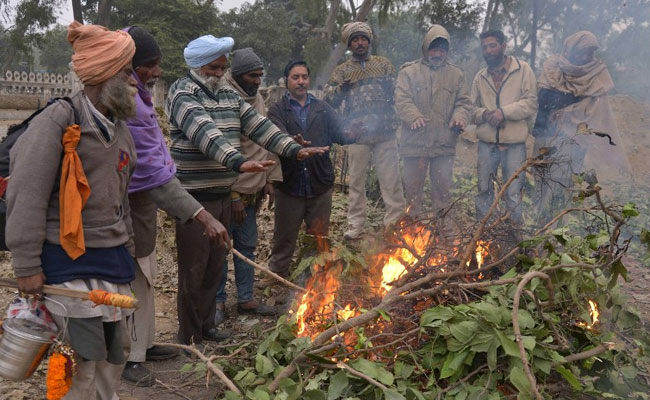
432,102
505,97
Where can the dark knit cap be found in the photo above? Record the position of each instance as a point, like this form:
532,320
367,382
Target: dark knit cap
243,61
146,48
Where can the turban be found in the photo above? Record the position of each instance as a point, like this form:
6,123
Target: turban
99,54
206,49
146,47
352,29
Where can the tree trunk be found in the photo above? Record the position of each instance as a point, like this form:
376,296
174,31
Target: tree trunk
488,14
330,23
339,49
76,11
353,9
104,12
533,34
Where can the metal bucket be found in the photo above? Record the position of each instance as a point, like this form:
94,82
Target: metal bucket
22,347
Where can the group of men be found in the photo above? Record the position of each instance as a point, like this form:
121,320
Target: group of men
91,222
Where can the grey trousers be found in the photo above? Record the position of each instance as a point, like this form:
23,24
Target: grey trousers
290,212
142,325
386,162
440,170
96,380
510,158
200,265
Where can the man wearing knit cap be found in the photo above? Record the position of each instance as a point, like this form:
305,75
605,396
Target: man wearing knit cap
366,83
153,185
78,235
207,119
248,191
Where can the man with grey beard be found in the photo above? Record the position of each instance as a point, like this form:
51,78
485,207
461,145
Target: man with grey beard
68,222
153,185
206,123
432,102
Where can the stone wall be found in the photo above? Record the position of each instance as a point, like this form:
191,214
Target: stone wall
42,85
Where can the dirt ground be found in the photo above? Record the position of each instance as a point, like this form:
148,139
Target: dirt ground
179,378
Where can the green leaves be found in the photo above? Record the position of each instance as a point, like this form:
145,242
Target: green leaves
263,365
337,385
629,210
569,376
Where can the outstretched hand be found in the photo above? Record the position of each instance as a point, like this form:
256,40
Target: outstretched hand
307,152
301,140
256,166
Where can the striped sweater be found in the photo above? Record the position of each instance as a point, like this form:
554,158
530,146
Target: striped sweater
205,129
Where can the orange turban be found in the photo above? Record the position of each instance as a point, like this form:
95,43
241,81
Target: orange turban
99,54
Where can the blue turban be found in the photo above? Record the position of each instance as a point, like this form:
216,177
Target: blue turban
206,49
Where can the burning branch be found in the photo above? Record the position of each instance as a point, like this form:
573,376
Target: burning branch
471,246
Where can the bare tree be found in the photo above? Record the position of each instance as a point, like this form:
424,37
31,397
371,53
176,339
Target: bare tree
76,11
104,12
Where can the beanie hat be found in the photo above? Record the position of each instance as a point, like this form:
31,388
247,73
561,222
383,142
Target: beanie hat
146,48
243,61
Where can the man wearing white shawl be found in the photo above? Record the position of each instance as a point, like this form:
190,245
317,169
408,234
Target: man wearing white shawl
573,89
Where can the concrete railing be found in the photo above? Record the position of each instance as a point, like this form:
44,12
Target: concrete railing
42,85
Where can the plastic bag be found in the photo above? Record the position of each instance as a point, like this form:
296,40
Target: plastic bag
31,310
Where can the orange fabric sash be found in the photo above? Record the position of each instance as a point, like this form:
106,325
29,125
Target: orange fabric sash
73,194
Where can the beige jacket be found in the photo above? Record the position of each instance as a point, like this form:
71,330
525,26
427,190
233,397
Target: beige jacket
251,183
438,95
517,98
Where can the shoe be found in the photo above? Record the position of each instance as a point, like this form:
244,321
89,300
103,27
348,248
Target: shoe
217,335
137,374
255,307
220,315
353,234
159,353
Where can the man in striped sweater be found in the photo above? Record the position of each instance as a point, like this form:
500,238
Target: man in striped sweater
206,121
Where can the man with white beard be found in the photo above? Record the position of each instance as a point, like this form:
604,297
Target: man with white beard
60,234
153,185
206,123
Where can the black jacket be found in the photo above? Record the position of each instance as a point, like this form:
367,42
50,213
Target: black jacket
323,129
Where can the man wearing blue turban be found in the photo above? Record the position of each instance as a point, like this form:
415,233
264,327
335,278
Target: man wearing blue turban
206,121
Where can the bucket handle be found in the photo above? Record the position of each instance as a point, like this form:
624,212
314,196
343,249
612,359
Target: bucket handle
61,334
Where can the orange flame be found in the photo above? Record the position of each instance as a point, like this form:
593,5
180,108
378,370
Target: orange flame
594,313
395,267
346,313
317,308
317,302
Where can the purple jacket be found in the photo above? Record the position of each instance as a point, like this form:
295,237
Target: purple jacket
155,166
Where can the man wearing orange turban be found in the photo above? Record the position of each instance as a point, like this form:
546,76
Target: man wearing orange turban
72,229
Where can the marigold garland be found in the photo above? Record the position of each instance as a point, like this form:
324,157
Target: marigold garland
58,380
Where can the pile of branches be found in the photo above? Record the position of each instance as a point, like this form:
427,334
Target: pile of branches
518,327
